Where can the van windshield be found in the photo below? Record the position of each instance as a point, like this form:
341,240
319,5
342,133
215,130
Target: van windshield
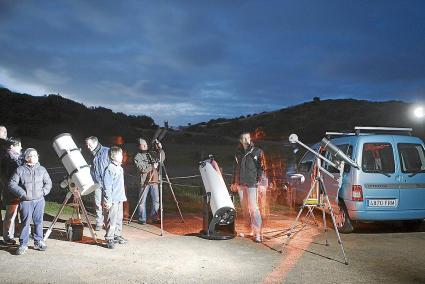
412,157
378,158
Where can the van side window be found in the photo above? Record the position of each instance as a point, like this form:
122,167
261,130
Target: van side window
378,157
346,149
306,162
412,157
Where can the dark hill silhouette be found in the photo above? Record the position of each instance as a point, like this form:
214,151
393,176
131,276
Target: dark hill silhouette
312,119
46,116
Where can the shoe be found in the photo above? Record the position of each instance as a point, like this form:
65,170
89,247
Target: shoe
21,250
41,246
257,238
110,244
156,222
142,222
9,241
120,240
98,228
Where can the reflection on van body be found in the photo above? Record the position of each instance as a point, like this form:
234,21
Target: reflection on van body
390,184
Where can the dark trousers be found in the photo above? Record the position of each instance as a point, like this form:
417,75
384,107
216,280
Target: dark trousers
31,210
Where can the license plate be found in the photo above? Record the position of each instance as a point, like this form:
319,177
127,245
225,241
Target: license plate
382,202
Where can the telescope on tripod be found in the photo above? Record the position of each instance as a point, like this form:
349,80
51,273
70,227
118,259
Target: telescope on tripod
317,196
79,181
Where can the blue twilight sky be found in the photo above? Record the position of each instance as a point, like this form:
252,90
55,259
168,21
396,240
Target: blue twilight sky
190,61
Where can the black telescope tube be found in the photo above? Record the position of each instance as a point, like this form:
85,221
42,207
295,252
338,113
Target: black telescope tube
337,153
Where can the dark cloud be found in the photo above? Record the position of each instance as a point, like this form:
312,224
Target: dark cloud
195,60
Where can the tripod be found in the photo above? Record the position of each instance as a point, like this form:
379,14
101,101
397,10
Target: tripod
78,204
162,170
320,200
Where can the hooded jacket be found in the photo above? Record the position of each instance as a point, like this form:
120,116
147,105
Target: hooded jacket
30,182
248,166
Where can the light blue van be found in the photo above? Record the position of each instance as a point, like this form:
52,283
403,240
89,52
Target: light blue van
389,184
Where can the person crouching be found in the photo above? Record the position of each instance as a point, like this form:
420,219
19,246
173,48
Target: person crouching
30,183
113,198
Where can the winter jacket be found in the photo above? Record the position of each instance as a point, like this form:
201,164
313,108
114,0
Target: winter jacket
113,184
248,166
3,152
30,182
100,162
144,161
9,163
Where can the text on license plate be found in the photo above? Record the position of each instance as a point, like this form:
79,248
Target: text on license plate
383,202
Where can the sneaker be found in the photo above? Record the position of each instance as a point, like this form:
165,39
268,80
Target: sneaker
21,250
257,238
156,222
120,240
110,244
142,222
9,241
40,246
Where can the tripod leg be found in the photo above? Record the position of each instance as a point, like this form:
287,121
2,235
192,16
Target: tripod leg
137,205
83,209
290,232
172,192
334,223
49,231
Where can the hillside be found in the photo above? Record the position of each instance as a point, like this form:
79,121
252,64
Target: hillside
45,117
311,120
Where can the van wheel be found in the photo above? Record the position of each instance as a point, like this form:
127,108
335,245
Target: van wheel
413,225
343,221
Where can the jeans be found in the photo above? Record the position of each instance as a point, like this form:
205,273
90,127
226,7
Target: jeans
9,221
31,210
114,220
99,209
154,192
249,203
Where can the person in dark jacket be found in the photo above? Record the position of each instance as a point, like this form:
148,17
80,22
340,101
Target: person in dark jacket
9,163
100,162
248,170
3,148
30,183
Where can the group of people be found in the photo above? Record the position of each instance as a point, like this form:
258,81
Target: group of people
109,196
24,184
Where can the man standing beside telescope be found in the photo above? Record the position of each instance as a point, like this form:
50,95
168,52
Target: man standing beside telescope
100,162
248,171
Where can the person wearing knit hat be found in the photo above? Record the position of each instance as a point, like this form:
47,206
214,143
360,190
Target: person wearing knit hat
30,183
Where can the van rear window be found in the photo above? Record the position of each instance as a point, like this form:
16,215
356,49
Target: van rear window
412,157
378,157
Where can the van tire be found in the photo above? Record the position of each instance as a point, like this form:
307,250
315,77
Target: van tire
342,219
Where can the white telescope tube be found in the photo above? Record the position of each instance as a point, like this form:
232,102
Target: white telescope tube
74,163
221,204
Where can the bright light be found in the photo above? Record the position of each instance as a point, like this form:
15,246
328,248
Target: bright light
419,112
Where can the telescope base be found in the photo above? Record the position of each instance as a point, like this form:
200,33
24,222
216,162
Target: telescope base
216,235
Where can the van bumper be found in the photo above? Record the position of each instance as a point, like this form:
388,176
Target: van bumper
385,215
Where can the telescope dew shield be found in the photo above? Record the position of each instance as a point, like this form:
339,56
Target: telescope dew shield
222,208
74,163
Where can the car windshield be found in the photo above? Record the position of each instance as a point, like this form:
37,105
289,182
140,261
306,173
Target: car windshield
412,157
378,158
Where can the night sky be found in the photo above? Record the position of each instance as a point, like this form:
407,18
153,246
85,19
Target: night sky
190,61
